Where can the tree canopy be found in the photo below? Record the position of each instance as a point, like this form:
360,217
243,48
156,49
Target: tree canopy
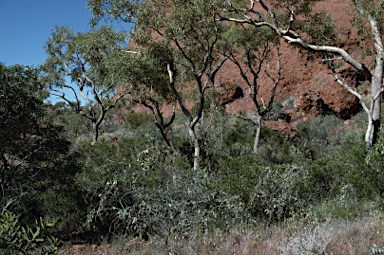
87,59
29,143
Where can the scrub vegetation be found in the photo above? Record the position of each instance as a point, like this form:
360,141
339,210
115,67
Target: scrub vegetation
113,178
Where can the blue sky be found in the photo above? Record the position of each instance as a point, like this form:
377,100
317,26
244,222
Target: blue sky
26,25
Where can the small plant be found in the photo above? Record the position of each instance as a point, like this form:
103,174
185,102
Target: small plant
17,239
307,242
377,250
289,103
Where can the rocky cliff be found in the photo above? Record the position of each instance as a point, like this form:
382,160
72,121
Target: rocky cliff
307,87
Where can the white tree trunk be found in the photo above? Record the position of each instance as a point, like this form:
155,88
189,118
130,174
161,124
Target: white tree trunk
374,116
196,156
377,80
257,137
369,132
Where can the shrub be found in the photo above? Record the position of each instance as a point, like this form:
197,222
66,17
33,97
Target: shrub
134,186
17,239
270,192
307,242
275,148
135,119
191,203
319,136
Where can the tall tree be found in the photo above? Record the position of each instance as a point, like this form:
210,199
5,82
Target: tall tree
146,81
252,52
195,52
85,58
315,33
191,41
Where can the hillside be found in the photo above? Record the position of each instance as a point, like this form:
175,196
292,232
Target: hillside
211,179
307,87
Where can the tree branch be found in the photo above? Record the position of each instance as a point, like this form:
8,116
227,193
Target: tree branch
292,37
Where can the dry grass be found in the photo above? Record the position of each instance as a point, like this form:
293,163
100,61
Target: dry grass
335,236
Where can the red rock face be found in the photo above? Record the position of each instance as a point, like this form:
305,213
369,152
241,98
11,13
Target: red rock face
307,88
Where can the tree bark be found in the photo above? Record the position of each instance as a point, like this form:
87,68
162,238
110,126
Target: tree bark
377,79
257,137
3,169
196,155
369,133
95,130
165,137
376,87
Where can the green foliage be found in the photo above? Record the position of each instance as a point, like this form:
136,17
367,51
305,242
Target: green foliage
227,136
191,202
145,71
320,28
275,148
189,26
133,120
250,38
270,192
370,8
31,145
36,167
73,124
137,185
320,135
89,59
121,164
111,10
375,155
239,132
345,168
20,105
336,159
70,52
376,250
18,239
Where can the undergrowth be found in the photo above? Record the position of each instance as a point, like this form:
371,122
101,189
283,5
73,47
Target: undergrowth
361,235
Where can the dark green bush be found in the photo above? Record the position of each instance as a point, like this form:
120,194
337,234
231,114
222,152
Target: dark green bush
319,136
133,119
35,157
274,148
18,239
345,167
74,124
270,192
190,203
134,186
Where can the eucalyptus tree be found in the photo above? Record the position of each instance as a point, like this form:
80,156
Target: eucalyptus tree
86,58
111,10
193,48
252,51
146,80
315,32
196,50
